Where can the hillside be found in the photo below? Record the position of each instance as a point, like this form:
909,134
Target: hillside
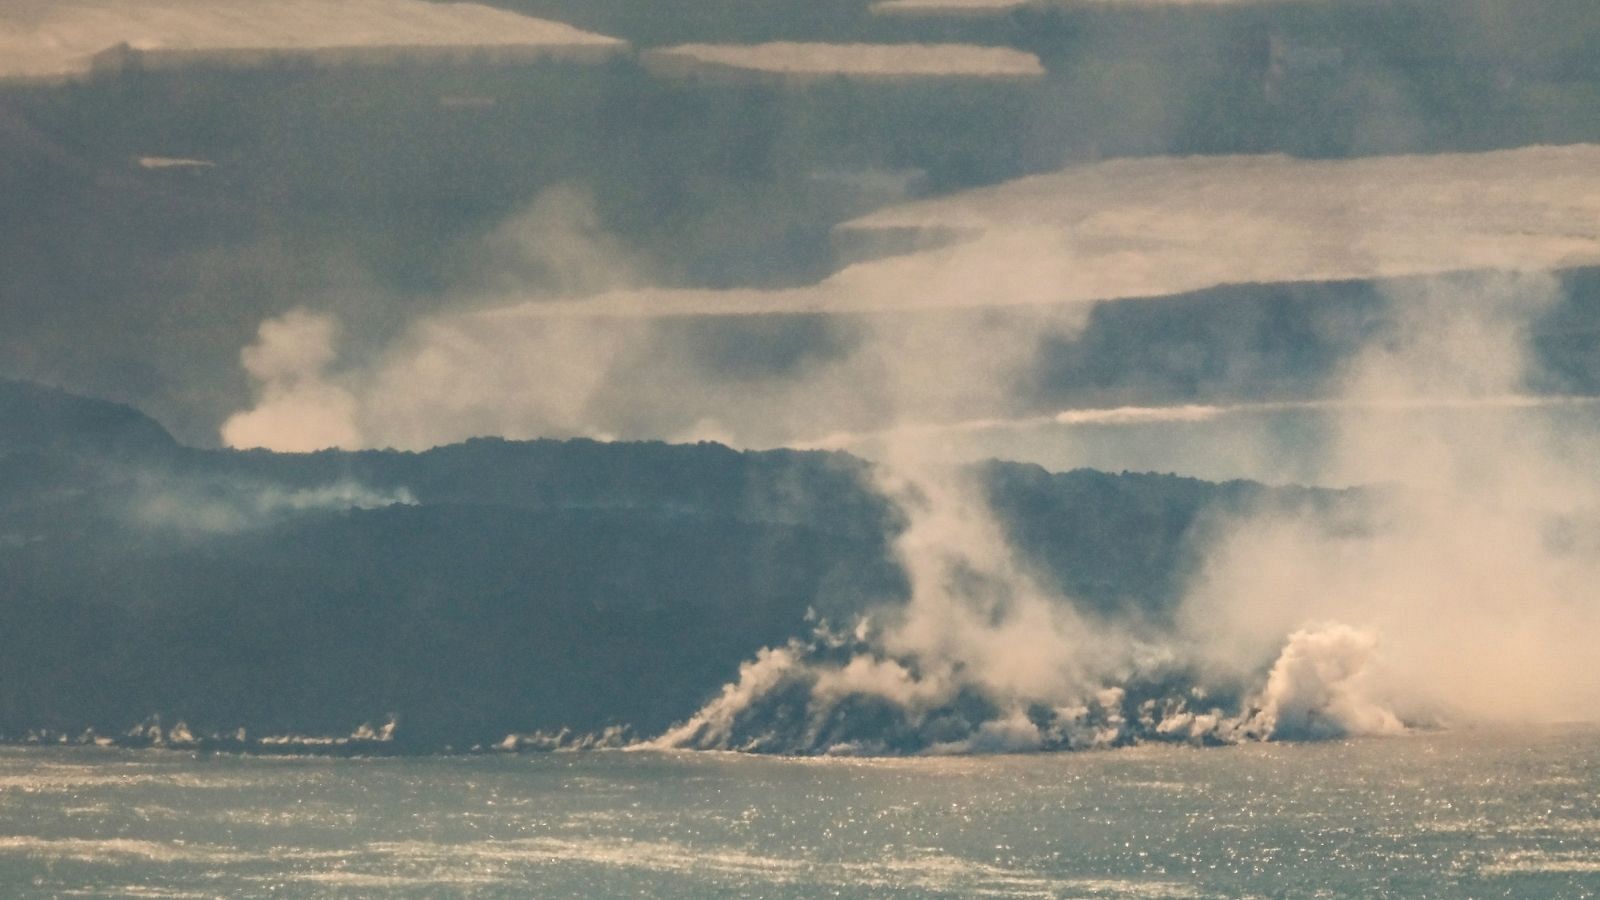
479,589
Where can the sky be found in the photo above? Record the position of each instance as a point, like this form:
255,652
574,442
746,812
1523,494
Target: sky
871,206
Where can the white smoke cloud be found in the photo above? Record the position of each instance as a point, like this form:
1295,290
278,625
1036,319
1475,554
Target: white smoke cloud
198,506
1478,572
976,613
714,725
557,247
1318,688
525,374
1465,589
978,623
298,409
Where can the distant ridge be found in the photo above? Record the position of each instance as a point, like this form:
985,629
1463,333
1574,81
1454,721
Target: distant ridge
38,418
479,590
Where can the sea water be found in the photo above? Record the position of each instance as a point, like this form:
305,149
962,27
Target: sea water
1452,813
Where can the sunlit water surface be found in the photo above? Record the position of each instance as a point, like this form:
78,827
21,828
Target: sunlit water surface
1463,813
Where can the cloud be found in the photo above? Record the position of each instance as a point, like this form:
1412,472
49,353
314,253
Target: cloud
787,61
67,39
1270,441
521,371
912,8
453,377
950,8
558,247
1154,227
1134,228
931,338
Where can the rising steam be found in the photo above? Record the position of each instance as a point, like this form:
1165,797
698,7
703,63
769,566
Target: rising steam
1478,571
1464,590
1467,591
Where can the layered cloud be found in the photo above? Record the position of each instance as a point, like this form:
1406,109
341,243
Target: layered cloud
66,39
1148,227
961,8
1154,227
938,335
958,8
790,61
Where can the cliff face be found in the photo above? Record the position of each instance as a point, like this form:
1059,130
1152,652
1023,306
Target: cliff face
470,591
479,589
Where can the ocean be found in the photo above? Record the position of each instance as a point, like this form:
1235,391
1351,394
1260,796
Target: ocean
1458,813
